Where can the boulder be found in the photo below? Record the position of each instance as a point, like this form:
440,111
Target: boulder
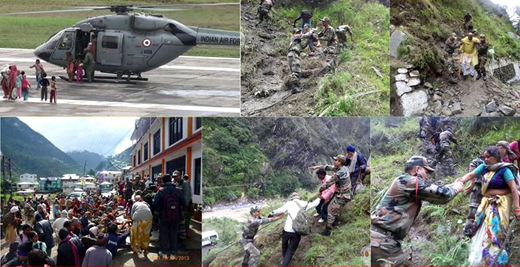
415,73
491,106
402,88
428,85
396,39
414,103
402,70
506,110
400,77
456,108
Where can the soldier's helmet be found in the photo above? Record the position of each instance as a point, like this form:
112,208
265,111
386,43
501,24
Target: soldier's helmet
254,209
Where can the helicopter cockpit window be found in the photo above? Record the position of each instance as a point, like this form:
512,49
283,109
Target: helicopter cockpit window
109,42
53,41
171,28
66,41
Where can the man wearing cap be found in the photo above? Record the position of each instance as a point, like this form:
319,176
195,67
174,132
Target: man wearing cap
395,213
263,10
186,192
328,34
442,142
451,44
482,48
11,221
343,194
356,164
293,58
342,32
252,254
290,239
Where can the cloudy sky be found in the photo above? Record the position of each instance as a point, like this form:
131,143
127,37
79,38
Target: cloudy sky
105,136
507,2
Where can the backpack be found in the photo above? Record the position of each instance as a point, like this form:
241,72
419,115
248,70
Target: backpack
303,222
171,205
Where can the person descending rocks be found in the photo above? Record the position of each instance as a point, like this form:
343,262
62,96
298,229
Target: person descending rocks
469,57
451,44
442,141
263,10
328,35
293,58
252,253
482,48
305,17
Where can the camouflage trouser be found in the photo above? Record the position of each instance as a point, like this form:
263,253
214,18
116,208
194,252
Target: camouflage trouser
263,13
445,152
294,63
386,251
252,254
474,202
181,233
335,205
453,67
331,49
481,67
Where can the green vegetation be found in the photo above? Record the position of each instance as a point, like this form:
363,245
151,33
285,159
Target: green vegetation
29,31
354,89
341,249
428,30
436,238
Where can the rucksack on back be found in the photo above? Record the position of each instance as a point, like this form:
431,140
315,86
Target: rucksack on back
171,211
303,222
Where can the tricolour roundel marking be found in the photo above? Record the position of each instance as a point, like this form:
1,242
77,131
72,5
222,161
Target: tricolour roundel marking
147,42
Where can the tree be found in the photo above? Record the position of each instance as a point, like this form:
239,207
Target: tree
92,172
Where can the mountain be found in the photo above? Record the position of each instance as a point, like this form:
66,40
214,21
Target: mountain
31,152
92,159
116,162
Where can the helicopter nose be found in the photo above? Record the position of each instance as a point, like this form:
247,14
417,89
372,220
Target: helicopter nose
42,53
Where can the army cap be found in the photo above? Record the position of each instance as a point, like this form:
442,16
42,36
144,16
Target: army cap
325,19
340,158
176,173
419,161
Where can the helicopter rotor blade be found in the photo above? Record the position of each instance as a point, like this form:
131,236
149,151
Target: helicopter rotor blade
187,5
55,11
160,9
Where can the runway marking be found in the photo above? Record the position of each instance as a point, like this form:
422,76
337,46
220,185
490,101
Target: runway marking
132,105
177,67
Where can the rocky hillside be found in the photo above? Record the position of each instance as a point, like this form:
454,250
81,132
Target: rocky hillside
420,76
352,82
116,162
92,159
31,152
436,237
266,157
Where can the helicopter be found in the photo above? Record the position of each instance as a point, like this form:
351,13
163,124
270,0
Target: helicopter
129,43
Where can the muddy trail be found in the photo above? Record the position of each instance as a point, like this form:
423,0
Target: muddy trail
265,70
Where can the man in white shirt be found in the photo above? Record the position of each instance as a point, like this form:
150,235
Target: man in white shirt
58,224
291,239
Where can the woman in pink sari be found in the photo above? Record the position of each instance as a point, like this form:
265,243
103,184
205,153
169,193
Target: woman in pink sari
12,80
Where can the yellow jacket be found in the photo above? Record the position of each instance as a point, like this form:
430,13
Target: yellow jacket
469,48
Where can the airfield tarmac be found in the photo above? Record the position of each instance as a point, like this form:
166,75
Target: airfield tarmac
187,86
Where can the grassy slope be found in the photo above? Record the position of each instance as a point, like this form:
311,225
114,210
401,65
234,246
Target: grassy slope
37,29
341,249
439,228
438,19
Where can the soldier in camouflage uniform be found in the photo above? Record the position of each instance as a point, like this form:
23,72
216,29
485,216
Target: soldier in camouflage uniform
482,49
328,35
341,33
474,198
293,57
451,44
186,192
252,254
343,193
397,210
263,10
442,142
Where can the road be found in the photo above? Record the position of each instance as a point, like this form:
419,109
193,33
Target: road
187,86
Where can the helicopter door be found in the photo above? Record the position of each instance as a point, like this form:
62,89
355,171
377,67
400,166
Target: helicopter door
65,45
110,48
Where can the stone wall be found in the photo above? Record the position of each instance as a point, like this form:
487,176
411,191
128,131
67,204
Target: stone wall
506,71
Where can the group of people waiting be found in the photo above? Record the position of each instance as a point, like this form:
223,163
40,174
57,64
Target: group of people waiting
89,231
15,84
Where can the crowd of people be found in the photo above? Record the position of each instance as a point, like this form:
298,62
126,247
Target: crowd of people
89,231
493,198
335,192
16,85
467,56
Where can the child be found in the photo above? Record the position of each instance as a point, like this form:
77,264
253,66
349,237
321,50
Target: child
33,236
18,84
79,72
25,86
44,83
53,89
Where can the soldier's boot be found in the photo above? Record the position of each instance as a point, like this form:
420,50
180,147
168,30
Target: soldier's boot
327,231
295,88
469,228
